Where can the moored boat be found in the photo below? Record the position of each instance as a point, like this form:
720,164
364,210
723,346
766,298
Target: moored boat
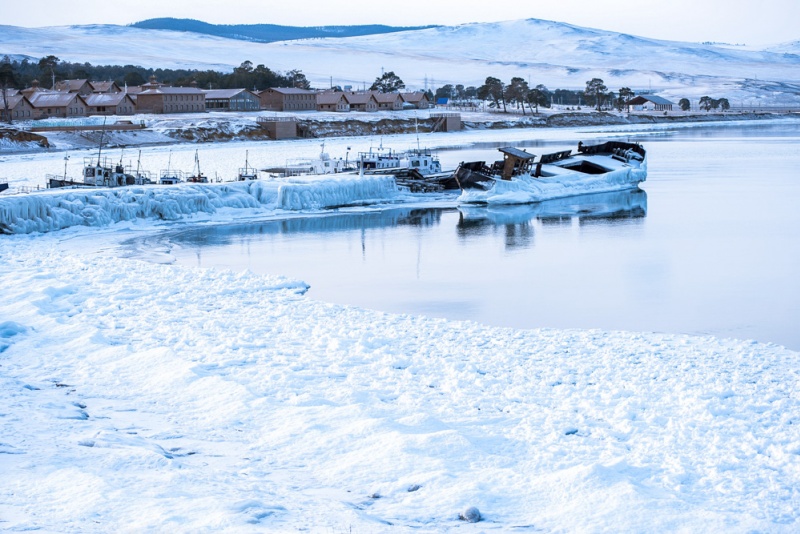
518,178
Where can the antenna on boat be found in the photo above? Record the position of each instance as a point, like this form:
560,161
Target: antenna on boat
416,129
169,161
66,159
139,164
102,136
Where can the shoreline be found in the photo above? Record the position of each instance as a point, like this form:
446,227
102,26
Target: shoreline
198,129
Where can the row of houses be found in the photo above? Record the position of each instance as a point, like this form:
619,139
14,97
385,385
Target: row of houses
80,98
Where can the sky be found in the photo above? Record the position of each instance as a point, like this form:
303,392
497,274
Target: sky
750,22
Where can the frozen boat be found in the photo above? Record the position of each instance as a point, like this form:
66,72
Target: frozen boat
101,172
3,186
519,179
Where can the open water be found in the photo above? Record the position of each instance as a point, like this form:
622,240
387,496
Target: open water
711,245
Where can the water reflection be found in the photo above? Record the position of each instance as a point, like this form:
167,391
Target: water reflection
601,208
518,221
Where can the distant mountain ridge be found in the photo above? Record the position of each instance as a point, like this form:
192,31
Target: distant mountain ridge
268,33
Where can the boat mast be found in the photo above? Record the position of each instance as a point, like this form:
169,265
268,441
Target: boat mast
102,136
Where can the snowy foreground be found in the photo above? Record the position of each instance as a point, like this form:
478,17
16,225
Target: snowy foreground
137,396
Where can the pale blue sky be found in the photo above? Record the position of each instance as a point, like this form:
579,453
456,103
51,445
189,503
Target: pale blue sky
752,22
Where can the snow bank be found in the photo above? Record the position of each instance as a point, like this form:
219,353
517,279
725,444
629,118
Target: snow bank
57,209
154,397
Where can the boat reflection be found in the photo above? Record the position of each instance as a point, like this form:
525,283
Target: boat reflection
518,220
599,207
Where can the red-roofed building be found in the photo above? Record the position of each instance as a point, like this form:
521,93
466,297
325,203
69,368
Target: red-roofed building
362,101
110,104
57,104
418,99
332,101
288,99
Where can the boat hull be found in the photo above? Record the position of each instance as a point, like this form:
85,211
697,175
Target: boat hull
571,175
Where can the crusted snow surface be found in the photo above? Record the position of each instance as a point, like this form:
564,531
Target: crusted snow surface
56,209
137,396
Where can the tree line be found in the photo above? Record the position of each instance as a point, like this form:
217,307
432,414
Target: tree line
50,70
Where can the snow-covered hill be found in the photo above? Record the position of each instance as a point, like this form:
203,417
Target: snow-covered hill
552,53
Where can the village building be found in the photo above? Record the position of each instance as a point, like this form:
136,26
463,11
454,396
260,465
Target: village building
110,104
57,104
82,86
28,91
288,99
365,101
388,101
19,107
105,87
332,101
418,100
650,103
232,100
163,99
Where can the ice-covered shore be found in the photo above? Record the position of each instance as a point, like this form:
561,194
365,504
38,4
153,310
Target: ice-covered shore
56,209
139,396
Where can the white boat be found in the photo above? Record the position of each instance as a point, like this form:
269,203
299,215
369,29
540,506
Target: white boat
386,161
324,164
519,179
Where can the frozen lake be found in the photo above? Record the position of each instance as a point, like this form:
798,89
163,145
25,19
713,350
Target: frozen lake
712,246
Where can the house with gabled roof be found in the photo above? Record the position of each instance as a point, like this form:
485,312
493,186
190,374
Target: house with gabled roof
362,101
19,107
288,99
57,104
232,100
418,100
109,104
81,86
332,101
105,87
650,103
388,101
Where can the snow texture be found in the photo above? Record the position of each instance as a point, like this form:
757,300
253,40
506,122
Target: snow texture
45,211
138,396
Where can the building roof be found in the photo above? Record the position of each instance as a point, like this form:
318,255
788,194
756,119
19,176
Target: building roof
13,100
10,92
414,97
56,99
386,98
174,91
223,93
640,99
359,98
104,87
291,91
70,86
105,99
330,97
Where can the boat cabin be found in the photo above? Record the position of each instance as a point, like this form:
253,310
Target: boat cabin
515,162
